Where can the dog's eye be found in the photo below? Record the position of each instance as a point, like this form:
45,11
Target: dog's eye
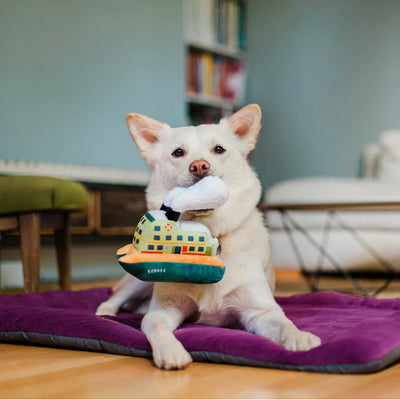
219,149
178,152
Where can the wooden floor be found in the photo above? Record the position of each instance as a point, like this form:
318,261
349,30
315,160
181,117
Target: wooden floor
34,372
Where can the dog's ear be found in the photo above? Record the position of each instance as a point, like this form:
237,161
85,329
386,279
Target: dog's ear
145,133
246,124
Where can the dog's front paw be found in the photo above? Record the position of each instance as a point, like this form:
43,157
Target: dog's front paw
106,308
296,340
173,356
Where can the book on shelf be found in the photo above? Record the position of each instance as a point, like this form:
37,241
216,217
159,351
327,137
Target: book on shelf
216,22
213,76
199,20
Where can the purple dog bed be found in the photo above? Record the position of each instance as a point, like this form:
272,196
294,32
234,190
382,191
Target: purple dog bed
359,335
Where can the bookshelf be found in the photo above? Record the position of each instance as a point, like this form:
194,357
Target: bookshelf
215,58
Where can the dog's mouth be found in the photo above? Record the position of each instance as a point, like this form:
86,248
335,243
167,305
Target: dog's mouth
192,180
199,212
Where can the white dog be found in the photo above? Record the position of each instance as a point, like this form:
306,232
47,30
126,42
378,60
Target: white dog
181,157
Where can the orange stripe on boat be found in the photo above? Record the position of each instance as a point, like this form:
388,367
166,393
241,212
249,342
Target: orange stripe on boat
133,256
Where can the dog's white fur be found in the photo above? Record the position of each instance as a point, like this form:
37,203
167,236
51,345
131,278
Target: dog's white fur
245,292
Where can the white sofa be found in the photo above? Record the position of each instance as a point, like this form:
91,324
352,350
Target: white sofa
379,229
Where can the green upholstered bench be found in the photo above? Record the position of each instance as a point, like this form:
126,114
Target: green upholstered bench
29,203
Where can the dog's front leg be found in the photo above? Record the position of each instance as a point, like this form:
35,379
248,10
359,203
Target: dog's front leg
163,317
263,316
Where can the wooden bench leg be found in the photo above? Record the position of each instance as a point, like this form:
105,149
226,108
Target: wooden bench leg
29,225
62,238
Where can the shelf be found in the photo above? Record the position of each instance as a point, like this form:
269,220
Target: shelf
211,101
216,48
215,59
79,172
111,211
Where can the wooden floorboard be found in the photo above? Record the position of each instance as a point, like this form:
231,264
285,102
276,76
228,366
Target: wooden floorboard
38,372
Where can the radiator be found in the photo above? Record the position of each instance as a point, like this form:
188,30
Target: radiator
78,172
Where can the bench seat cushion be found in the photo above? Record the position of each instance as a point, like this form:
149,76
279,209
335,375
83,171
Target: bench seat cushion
335,190
332,190
38,193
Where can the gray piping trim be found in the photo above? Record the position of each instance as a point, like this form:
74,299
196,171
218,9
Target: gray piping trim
99,345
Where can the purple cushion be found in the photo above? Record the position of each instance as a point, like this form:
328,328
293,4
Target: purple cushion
358,335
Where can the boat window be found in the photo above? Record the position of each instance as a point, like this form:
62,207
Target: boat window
201,248
157,228
168,237
201,238
179,237
191,248
151,247
190,238
159,247
156,237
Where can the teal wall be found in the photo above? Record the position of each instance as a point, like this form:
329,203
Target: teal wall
70,70
327,76
325,72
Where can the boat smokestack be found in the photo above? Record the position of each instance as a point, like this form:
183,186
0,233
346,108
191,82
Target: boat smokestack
170,213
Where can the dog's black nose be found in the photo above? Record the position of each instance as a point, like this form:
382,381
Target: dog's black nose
199,168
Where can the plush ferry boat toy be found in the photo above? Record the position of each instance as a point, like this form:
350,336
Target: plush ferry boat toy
167,249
